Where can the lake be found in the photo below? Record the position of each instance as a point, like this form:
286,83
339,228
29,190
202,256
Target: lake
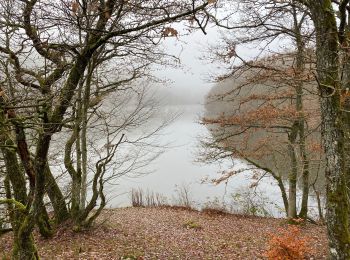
176,167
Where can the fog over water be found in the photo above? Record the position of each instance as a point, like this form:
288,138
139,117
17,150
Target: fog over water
184,94
176,167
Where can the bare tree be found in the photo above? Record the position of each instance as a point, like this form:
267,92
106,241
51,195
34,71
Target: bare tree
332,65
268,117
331,26
49,61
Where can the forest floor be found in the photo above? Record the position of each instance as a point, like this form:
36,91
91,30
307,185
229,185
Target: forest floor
170,233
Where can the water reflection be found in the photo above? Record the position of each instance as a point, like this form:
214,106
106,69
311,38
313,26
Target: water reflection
177,167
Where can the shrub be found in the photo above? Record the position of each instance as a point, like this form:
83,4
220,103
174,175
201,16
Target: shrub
184,197
139,198
288,244
250,203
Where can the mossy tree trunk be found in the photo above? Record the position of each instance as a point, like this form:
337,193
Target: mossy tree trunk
334,138
344,32
24,246
56,197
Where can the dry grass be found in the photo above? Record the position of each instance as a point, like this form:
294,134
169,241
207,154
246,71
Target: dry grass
169,233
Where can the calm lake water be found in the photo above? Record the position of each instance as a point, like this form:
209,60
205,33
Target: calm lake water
176,167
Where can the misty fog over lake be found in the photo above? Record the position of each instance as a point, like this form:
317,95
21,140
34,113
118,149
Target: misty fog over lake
176,168
182,96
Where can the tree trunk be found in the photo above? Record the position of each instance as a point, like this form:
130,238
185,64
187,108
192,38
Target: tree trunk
23,241
77,130
43,222
319,204
14,173
56,197
39,211
305,173
300,67
76,179
345,94
85,103
279,180
283,193
292,177
24,248
327,50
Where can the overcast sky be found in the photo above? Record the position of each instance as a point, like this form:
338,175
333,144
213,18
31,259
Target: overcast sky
190,84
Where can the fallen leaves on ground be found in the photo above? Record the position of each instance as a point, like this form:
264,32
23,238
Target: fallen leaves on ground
167,233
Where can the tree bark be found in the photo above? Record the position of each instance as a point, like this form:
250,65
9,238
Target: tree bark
85,103
300,67
293,175
14,172
76,178
56,197
327,55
